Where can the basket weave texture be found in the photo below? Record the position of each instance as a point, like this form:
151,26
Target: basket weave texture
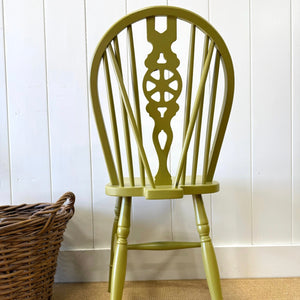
30,238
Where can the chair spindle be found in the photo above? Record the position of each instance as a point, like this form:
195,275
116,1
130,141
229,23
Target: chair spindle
101,125
135,95
199,119
114,125
125,119
194,113
189,84
211,116
130,113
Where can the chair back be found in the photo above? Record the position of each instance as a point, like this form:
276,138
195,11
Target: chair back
169,84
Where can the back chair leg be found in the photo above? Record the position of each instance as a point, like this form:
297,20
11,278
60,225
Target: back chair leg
113,238
120,253
208,253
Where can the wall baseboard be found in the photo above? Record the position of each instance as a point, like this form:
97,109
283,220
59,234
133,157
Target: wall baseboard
234,262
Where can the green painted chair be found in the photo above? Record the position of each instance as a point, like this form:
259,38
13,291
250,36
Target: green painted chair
145,91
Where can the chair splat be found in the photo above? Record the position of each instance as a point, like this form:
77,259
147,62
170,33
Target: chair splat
163,107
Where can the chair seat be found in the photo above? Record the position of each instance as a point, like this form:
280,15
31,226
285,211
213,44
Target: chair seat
162,191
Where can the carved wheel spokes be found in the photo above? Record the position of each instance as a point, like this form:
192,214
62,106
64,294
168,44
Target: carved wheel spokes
164,86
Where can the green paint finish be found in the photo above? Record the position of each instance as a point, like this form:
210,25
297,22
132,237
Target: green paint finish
164,245
120,250
208,252
163,191
113,238
162,73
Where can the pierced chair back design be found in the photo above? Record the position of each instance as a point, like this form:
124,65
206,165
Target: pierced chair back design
185,111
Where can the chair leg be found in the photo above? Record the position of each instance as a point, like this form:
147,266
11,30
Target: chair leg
208,253
113,238
120,253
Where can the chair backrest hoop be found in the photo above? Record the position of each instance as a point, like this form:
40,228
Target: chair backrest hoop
224,57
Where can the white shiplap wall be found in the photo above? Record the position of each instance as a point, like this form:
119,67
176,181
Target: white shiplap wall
295,90
49,142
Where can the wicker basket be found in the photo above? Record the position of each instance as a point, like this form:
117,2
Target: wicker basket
30,237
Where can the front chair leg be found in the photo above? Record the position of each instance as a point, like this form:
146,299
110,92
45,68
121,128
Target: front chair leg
120,253
113,238
208,253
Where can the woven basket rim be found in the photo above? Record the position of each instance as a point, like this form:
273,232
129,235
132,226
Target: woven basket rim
14,217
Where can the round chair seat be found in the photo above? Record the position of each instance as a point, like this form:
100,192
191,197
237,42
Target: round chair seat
162,191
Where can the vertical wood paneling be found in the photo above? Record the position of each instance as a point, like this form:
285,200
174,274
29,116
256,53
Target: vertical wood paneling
100,16
133,5
54,77
232,205
271,114
26,90
69,114
151,219
296,118
4,150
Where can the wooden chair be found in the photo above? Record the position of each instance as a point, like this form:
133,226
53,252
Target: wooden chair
144,94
